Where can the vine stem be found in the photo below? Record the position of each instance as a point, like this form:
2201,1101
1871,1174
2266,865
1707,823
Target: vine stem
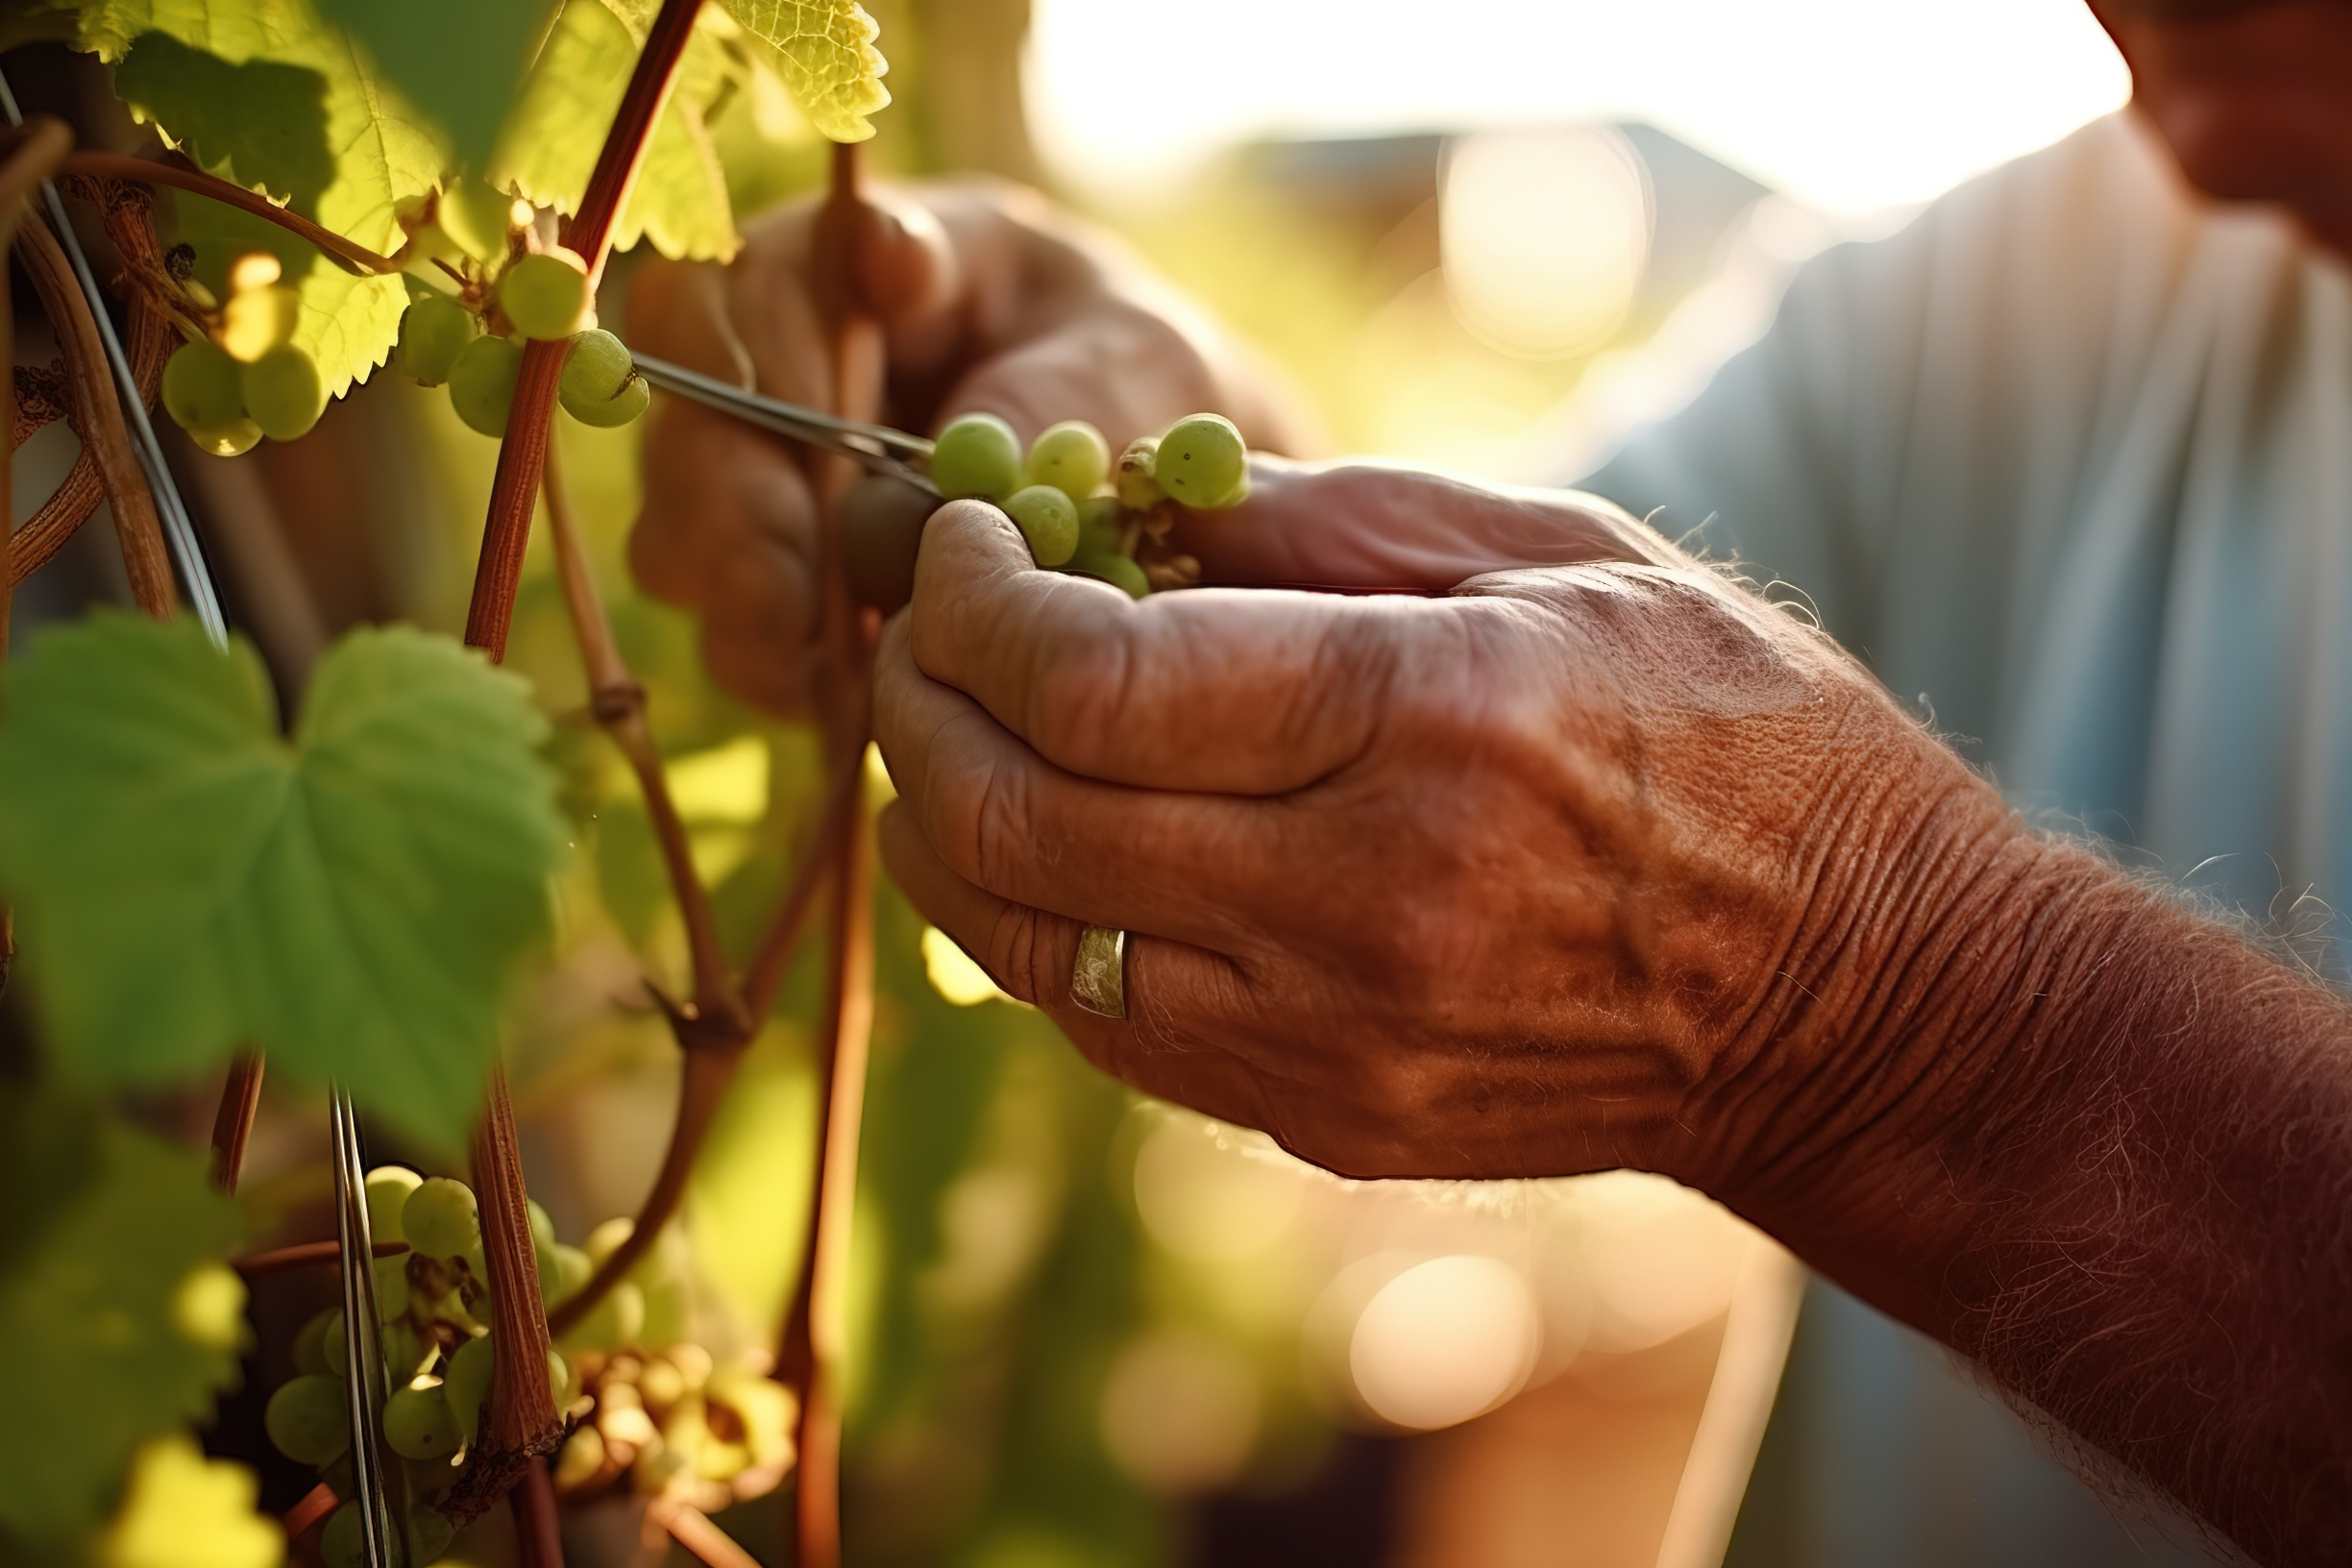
255,1266
514,492
34,152
99,418
183,176
232,1123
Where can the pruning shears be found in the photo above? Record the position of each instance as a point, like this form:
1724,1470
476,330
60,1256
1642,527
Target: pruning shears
877,447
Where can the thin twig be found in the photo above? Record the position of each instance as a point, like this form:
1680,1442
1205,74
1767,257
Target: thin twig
619,704
317,1504
771,961
99,418
537,1530
693,1529
355,257
255,1266
515,491
36,149
232,1123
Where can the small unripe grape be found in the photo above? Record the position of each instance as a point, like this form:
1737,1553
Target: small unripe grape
284,394
466,1382
1202,463
229,440
391,1288
256,320
442,1219
434,331
615,1321
311,1340
545,295
1101,520
1119,571
343,1542
977,455
571,1270
881,531
1048,519
600,385
203,389
419,1424
387,1188
482,382
307,1419
429,1534
1072,456
1138,490
476,217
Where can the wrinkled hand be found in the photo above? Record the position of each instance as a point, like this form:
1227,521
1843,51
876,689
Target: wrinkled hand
1547,875
989,302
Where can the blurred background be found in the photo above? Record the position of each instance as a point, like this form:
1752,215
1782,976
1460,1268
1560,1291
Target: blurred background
1091,1332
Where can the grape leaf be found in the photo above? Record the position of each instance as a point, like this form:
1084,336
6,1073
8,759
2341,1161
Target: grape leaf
183,1511
267,94
349,901
348,324
465,90
830,62
98,1361
679,200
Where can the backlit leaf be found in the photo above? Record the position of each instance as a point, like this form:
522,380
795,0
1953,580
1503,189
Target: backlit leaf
99,1360
183,1511
830,60
348,324
351,901
465,90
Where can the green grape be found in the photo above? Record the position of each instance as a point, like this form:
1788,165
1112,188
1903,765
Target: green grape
307,1419
571,1270
976,455
600,385
441,1219
388,1188
391,1288
1101,520
1202,463
405,1353
545,295
609,1238
1138,490
542,1228
1119,571
476,217
482,382
343,1542
284,394
563,1379
418,1422
203,389
1072,456
311,1340
881,530
434,331
467,1382
1048,519
228,440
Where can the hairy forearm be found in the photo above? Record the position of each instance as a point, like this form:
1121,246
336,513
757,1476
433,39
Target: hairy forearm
2104,1147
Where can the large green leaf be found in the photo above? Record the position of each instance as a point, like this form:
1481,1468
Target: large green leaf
191,883
267,94
465,89
348,324
830,60
120,1318
549,146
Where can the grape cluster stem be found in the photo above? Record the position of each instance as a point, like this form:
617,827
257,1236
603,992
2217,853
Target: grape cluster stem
177,172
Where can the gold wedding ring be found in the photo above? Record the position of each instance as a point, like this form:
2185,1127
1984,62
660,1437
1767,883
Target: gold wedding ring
1099,980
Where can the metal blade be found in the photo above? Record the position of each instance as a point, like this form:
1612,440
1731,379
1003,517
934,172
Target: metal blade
379,1484
877,448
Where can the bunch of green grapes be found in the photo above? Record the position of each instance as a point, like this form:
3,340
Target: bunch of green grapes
528,294
1079,510
243,377
672,1424
433,1305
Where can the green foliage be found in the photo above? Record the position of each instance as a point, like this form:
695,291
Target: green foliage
183,1511
465,89
830,60
351,901
348,323
106,1230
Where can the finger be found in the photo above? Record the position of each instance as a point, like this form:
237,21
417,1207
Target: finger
728,530
1126,370
1182,1003
1370,527
1254,694
1007,821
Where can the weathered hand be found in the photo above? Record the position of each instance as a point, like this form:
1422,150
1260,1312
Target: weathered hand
1520,881
988,301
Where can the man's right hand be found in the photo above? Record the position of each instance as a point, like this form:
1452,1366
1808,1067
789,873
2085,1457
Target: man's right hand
989,302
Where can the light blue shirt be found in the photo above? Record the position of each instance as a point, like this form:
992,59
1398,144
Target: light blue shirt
2069,460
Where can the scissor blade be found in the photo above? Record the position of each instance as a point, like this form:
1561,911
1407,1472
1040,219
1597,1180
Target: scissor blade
363,1370
878,448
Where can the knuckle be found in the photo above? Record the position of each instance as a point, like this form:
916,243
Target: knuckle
1021,956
